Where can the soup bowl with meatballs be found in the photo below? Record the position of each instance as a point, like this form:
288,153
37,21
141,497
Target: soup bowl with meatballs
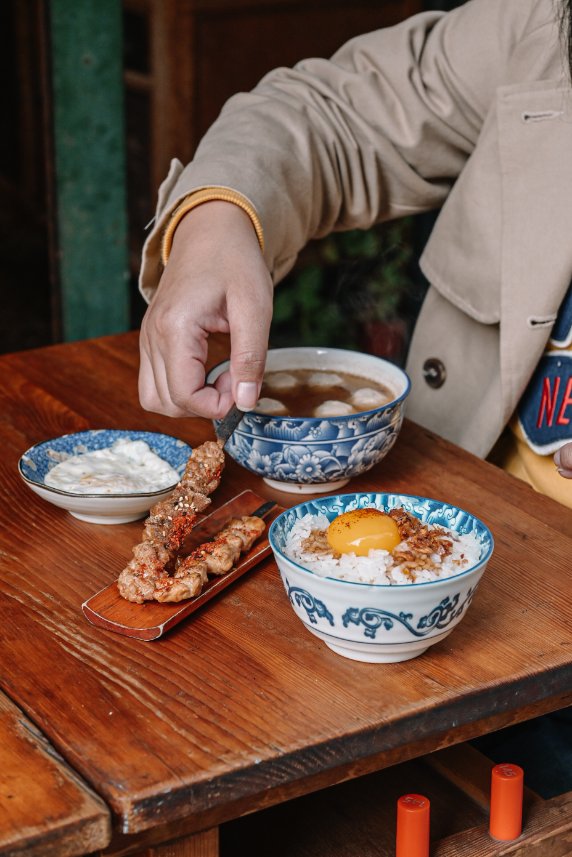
324,416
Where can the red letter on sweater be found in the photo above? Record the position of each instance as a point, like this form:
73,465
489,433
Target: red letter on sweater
567,400
548,402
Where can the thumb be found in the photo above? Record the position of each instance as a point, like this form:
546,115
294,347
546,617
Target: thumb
249,317
247,362
563,460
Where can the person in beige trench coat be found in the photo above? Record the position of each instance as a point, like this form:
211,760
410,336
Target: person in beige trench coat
468,111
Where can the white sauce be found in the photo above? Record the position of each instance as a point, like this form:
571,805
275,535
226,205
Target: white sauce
126,467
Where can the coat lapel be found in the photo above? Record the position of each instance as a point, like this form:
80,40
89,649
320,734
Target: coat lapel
535,143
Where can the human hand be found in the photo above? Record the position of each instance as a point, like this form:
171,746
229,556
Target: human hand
216,281
563,461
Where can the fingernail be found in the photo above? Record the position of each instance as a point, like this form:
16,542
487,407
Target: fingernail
246,395
557,458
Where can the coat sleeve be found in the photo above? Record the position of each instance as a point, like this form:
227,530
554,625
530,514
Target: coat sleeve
380,130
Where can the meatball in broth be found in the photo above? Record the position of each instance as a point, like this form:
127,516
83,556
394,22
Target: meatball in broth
315,393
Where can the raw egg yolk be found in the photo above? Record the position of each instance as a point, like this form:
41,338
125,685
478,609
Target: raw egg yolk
362,530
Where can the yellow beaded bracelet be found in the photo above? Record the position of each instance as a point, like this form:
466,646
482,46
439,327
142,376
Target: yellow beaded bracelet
208,195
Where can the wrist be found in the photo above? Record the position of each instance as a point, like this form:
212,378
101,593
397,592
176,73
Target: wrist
226,200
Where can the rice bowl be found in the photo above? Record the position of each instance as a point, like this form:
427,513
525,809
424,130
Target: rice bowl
350,610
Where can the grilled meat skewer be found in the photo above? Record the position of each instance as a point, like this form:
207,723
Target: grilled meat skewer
168,524
216,557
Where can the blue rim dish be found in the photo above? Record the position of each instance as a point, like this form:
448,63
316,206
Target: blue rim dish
40,458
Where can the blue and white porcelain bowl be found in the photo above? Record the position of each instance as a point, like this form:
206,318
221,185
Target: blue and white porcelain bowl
319,454
373,622
99,508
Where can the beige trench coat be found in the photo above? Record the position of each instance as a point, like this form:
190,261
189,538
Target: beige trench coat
470,111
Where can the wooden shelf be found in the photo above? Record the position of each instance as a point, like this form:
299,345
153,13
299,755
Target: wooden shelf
357,818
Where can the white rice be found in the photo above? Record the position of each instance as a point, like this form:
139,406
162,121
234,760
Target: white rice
379,566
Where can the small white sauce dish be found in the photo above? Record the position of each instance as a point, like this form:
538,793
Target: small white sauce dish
118,508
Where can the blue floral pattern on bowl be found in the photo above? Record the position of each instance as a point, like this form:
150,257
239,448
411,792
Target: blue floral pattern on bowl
380,622
372,618
315,609
314,459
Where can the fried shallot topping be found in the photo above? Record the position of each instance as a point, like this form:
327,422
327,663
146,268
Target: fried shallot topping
317,543
421,543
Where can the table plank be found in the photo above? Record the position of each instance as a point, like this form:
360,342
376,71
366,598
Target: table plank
45,809
241,707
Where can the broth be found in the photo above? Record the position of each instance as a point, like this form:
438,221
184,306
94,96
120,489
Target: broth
313,392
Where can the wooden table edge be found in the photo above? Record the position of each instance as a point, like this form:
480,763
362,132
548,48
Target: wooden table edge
194,805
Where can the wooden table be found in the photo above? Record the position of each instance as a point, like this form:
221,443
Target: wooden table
240,708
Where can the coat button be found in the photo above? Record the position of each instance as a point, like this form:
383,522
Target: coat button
434,372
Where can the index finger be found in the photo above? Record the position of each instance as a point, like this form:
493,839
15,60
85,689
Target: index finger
186,374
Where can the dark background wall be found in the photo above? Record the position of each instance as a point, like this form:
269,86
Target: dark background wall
181,60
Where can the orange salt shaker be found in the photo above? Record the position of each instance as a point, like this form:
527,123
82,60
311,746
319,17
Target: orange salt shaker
413,822
507,785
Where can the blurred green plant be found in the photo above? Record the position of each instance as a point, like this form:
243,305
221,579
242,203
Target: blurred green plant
343,282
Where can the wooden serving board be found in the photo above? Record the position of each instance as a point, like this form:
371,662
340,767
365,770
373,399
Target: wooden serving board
151,620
